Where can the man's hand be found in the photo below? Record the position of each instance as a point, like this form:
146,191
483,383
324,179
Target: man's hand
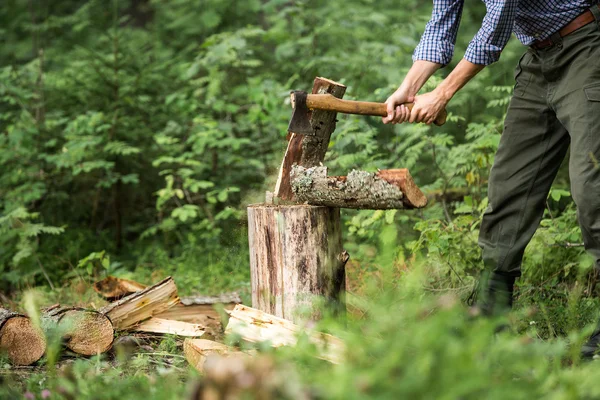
414,80
397,111
428,106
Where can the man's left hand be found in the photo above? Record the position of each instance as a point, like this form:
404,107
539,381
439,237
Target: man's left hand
427,107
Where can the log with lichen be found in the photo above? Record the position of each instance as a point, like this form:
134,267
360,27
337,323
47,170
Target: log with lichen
20,339
382,190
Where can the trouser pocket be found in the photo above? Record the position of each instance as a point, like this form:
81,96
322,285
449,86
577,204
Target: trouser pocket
522,78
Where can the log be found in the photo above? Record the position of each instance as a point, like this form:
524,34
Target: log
136,307
85,332
382,190
305,150
197,351
255,326
113,288
20,339
296,255
167,326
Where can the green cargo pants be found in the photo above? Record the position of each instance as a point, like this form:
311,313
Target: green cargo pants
556,104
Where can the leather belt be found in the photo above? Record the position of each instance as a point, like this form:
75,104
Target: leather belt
579,22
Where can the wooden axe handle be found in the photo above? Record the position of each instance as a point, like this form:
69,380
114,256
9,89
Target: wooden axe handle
332,103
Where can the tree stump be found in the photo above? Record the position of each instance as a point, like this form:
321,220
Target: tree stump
296,255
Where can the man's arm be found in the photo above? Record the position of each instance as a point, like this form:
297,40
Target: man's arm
435,50
484,49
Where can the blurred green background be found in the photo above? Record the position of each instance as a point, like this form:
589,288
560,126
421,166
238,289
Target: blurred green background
134,133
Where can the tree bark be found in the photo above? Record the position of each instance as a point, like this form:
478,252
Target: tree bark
383,190
296,255
138,306
306,150
255,326
85,332
23,342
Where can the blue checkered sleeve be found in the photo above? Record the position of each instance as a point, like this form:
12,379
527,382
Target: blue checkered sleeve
498,23
437,42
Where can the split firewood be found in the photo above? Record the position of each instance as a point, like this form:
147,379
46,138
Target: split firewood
255,326
85,332
160,325
197,351
20,339
136,307
309,150
382,190
201,310
233,374
195,309
113,288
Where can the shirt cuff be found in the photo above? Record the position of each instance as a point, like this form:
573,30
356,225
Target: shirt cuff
482,53
439,51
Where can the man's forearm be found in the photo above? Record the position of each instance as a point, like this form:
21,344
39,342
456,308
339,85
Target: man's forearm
418,74
462,73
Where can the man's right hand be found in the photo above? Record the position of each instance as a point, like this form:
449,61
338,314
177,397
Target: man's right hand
397,111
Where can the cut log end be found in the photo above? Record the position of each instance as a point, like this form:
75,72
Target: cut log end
22,341
87,332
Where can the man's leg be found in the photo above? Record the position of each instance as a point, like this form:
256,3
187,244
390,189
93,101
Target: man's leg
531,150
577,104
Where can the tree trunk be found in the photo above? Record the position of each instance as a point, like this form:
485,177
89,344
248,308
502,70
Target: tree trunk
23,342
255,326
383,190
138,306
85,332
309,150
296,255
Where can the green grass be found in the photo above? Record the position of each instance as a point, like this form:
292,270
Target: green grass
403,342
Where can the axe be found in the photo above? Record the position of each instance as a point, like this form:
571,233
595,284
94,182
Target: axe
303,102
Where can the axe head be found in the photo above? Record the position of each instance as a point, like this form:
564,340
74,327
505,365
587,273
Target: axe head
300,122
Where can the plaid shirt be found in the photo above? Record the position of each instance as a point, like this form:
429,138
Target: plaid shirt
530,20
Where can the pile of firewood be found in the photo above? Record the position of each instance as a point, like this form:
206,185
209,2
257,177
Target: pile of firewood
135,307
156,309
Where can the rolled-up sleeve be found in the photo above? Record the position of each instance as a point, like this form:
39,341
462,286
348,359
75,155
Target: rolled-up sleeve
498,23
437,42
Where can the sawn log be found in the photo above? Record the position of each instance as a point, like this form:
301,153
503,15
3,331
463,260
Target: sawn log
20,339
85,332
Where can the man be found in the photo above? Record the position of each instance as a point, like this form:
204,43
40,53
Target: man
556,103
